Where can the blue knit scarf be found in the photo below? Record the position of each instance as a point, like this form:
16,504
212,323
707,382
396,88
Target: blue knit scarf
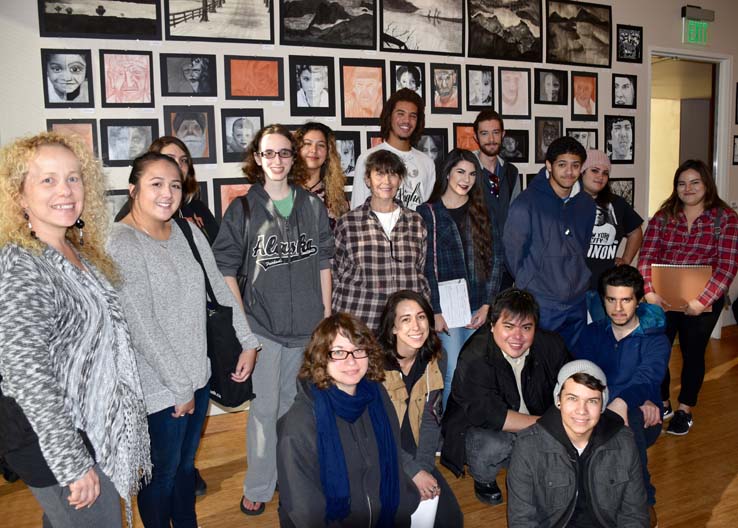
333,473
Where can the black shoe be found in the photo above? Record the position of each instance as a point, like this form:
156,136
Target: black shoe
257,511
680,424
201,488
668,413
488,493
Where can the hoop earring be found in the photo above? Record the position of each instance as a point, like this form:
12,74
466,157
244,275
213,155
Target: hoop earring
79,224
30,227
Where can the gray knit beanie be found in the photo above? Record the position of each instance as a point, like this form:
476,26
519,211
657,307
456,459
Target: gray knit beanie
587,367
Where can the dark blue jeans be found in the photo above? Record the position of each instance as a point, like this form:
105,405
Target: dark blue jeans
567,320
174,441
644,438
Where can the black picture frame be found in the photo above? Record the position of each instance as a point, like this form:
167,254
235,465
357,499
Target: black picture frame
84,128
546,90
546,129
373,138
444,75
433,143
629,44
222,198
202,193
529,178
516,146
137,67
442,32
464,136
624,90
362,101
254,78
582,83
405,74
506,83
566,43
123,140
480,87
735,150
625,188
348,145
301,66
58,71
176,120
624,154
239,26
345,29
498,41
234,148
591,140
111,24
174,81
115,200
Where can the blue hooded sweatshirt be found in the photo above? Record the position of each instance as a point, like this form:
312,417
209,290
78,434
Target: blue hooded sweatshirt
546,241
635,365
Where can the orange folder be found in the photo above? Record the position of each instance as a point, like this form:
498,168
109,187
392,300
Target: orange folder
678,285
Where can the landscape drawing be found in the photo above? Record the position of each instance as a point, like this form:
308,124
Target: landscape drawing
108,19
578,33
329,23
505,29
423,26
227,21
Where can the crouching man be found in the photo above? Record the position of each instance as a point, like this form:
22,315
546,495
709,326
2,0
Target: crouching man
578,465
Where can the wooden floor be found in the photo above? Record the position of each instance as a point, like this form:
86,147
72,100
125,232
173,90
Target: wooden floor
696,476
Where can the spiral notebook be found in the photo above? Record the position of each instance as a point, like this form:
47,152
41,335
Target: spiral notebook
677,285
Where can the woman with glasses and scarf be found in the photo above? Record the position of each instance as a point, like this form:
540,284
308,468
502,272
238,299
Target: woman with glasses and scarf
275,241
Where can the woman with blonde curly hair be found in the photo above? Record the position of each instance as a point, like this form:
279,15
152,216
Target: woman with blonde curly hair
73,418
323,174
338,451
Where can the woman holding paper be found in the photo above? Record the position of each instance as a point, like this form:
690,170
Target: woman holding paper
464,247
692,227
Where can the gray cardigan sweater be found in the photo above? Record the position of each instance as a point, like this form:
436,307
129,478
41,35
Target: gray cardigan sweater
163,297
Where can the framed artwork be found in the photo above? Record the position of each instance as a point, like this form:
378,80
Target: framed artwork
514,92
362,91
348,145
586,136
480,88
86,129
373,138
547,130
191,75
434,143
139,20
578,33
620,139
583,96
515,146
410,75
254,78
123,140
67,75
624,88
238,128
202,193
221,21
312,86
504,30
735,150
625,188
345,24
195,126
629,43
435,28
126,79
225,190
115,199
551,87
446,80
464,136
529,179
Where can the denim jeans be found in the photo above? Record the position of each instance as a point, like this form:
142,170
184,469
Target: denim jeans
594,306
487,452
174,441
567,320
452,344
644,438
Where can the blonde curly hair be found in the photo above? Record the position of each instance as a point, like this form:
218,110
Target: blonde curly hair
15,159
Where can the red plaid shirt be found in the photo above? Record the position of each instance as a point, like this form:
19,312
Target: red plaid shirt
669,242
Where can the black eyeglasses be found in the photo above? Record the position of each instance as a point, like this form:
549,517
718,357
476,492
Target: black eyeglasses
339,354
283,153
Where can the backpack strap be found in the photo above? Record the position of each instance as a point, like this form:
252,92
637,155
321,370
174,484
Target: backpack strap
716,230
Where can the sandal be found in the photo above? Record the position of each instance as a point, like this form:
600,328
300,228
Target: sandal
257,511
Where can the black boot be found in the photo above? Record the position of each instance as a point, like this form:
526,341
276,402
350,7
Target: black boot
488,493
201,488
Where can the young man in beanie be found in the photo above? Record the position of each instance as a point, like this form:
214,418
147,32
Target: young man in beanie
578,465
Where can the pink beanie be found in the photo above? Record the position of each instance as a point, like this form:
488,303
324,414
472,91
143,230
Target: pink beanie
596,158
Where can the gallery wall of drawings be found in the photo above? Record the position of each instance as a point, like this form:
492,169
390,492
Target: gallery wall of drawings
121,72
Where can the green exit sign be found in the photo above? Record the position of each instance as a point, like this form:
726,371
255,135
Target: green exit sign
694,31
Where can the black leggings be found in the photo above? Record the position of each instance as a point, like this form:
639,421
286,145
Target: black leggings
449,513
694,335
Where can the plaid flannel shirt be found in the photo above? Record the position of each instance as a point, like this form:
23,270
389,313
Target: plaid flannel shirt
368,266
670,242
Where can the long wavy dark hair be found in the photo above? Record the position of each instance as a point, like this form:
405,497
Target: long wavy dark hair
430,350
673,205
481,225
